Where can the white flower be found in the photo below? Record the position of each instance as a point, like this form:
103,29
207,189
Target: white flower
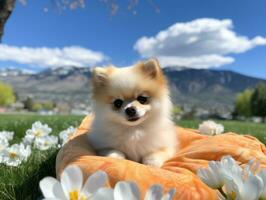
155,192
211,128
15,154
3,144
230,167
126,190
130,191
70,188
28,139
66,134
45,142
249,188
213,176
70,185
37,130
239,183
262,175
7,135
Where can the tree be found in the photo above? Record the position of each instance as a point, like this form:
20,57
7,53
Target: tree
7,6
48,105
36,106
243,103
258,101
28,103
7,95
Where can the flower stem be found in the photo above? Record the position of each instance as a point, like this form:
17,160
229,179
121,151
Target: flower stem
222,193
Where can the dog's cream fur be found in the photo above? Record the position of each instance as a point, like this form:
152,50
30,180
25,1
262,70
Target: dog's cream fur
151,139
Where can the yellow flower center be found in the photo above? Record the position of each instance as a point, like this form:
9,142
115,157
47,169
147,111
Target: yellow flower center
38,133
74,195
83,198
12,155
233,195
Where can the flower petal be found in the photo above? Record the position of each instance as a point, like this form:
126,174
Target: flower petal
94,182
71,179
262,175
155,192
46,185
104,193
126,190
58,190
253,184
231,188
169,195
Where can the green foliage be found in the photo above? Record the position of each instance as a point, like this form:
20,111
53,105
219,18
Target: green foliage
28,103
243,103
22,183
36,106
49,105
258,101
176,110
7,95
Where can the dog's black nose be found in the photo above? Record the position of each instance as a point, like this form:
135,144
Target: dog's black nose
131,111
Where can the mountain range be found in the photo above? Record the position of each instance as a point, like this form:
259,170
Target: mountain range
204,88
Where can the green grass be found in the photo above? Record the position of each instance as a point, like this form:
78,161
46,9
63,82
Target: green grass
257,130
22,182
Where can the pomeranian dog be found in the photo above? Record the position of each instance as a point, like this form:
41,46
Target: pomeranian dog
133,114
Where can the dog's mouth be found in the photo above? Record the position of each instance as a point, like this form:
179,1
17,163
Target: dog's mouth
133,119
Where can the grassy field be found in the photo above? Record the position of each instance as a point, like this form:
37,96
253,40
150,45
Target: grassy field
258,130
22,182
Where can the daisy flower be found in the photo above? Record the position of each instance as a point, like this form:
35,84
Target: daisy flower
71,185
234,182
213,176
37,130
211,128
45,142
15,154
3,144
7,135
66,134
130,191
245,188
262,176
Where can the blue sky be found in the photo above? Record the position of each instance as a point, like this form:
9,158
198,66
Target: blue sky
96,38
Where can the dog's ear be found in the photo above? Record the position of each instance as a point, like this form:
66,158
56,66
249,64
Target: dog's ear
99,76
151,68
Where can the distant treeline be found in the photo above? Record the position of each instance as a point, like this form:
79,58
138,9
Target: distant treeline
251,102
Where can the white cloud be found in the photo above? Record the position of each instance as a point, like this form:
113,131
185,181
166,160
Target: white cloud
200,62
201,43
51,57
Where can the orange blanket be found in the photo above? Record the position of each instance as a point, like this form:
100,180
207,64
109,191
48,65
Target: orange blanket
179,172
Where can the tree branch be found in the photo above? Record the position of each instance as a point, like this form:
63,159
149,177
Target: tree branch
6,8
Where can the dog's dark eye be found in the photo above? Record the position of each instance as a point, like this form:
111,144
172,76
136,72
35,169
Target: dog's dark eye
118,103
142,99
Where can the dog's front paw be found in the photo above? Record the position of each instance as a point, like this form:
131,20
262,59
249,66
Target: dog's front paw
152,160
113,154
